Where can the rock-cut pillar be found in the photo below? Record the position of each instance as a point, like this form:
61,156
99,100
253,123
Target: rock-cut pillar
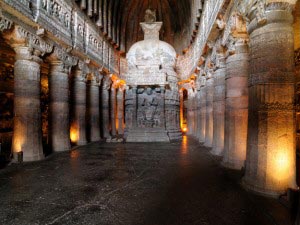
59,134
209,112
202,122
106,83
270,162
78,126
113,110
27,136
120,111
94,110
219,108
236,107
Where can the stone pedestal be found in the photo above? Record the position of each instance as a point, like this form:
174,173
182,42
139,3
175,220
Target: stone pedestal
79,99
270,163
236,115
27,136
59,134
94,110
113,110
120,111
219,110
209,112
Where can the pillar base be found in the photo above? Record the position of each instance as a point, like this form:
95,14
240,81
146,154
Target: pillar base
236,165
261,191
27,158
79,143
217,151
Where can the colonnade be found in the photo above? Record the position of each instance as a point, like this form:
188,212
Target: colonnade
76,88
245,105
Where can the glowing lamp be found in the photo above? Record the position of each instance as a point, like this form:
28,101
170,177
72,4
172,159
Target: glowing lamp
73,134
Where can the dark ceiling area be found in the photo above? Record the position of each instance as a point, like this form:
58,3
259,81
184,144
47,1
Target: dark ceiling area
119,20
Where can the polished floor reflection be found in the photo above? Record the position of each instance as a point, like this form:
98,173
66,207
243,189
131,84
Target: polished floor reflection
154,184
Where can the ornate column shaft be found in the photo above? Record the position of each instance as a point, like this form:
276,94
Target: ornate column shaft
270,163
78,126
113,110
27,136
59,132
120,110
94,109
106,83
236,112
198,113
219,106
209,111
202,122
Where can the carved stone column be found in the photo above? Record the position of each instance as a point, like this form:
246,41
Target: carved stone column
134,105
236,114
198,112
120,110
59,132
209,110
202,122
113,110
270,163
106,83
27,136
163,92
78,126
219,106
94,109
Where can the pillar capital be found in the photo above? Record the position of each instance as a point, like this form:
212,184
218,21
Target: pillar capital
28,46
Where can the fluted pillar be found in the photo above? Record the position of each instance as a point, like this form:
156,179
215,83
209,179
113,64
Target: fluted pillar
78,126
27,136
106,83
236,112
198,113
202,122
59,132
209,110
120,110
94,109
219,107
270,162
113,110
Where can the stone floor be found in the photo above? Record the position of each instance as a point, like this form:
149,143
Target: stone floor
154,184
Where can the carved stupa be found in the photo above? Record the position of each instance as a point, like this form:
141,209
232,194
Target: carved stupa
150,78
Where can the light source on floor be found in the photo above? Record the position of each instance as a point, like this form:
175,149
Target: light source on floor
74,134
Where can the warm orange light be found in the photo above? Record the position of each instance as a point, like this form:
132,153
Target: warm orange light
74,136
184,129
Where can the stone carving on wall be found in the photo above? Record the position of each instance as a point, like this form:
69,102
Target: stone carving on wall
5,24
60,21
149,108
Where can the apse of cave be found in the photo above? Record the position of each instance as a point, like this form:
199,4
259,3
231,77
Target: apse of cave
150,112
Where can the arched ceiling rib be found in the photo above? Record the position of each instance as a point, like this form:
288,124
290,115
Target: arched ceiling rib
119,20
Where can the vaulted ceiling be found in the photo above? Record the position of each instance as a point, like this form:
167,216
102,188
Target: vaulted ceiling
119,20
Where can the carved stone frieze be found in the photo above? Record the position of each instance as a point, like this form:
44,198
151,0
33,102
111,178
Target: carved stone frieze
55,16
5,24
